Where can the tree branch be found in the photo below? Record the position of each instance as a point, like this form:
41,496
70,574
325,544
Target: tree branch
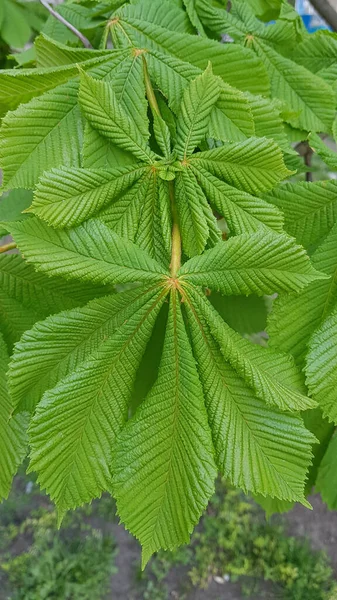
71,27
329,14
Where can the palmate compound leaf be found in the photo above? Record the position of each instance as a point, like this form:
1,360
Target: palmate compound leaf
74,429
231,118
295,317
90,252
27,296
13,438
163,467
309,208
258,448
260,263
321,366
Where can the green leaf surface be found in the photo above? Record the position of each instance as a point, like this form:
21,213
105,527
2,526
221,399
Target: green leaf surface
100,106
12,205
163,468
242,211
73,432
273,454
55,347
309,208
235,65
90,252
198,101
65,197
190,202
259,263
274,377
13,438
295,317
326,482
245,314
321,367
254,166
27,296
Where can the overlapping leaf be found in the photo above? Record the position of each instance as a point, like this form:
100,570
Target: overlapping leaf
90,252
309,98
91,407
251,441
295,317
27,296
309,208
321,366
13,439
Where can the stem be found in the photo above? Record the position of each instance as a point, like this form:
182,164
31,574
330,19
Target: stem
149,89
7,247
326,11
307,160
71,27
176,235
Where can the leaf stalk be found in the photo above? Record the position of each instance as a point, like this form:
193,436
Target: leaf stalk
176,235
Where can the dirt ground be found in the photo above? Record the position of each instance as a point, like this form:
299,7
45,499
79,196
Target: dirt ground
319,526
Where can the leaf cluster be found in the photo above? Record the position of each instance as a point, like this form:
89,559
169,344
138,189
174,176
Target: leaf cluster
158,208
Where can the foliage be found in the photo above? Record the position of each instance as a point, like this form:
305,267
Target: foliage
235,543
157,170
75,564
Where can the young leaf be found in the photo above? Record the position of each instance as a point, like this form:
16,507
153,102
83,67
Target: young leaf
13,439
190,202
243,212
102,109
192,123
90,252
91,407
163,469
260,263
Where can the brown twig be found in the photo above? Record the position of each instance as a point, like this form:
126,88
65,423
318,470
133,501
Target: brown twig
7,247
64,21
329,14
